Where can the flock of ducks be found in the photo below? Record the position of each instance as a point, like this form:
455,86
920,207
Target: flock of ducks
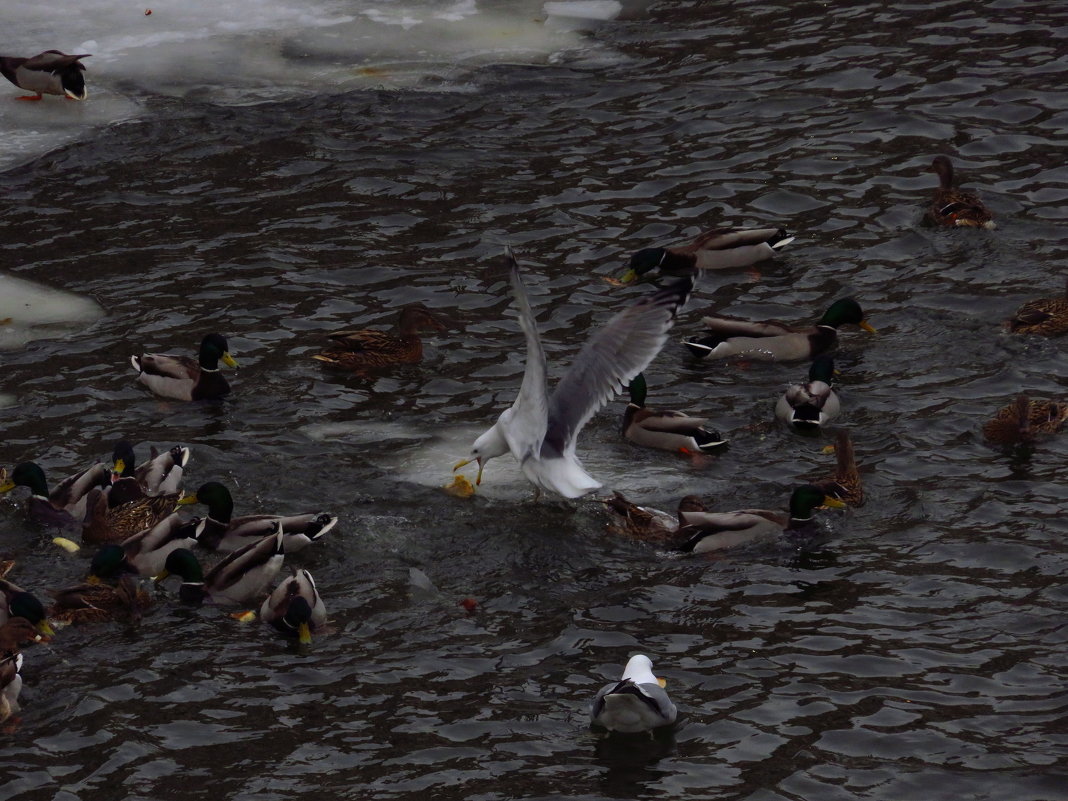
131,512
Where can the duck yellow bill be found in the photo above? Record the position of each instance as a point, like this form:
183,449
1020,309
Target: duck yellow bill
628,277
188,499
834,503
46,629
161,575
465,463
866,326
7,486
228,360
303,634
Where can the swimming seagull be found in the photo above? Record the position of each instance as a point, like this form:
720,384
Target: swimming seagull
540,430
636,703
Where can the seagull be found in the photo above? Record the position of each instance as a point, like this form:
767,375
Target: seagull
636,703
540,430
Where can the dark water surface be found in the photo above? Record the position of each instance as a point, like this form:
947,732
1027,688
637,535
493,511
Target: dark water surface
918,654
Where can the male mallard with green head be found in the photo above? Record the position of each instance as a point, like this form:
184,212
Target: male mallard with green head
719,249
1024,420
221,531
812,404
295,608
16,602
665,429
368,348
713,531
773,340
47,73
63,507
182,378
953,207
1045,316
241,577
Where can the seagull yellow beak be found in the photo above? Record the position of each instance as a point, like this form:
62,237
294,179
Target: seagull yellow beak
866,326
465,462
662,683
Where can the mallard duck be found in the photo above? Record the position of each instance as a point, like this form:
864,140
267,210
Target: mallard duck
666,429
181,378
635,703
47,73
160,475
63,507
773,340
813,404
16,602
1045,316
953,207
845,484
220,531
95,603
241,577
645,523
719,249
146,552
1023,420
10,685
712,531
15,632
295,608
363,349
123,511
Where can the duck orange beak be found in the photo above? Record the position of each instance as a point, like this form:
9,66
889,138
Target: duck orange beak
866,326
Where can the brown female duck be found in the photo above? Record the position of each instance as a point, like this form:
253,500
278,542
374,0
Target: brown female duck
645,523
954,207
845,484
96,603
1045,316
1023,420
369,348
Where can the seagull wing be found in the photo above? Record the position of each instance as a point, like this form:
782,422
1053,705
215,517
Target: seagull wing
614,355
530,412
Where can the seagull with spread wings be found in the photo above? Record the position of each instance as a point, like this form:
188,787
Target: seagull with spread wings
541,429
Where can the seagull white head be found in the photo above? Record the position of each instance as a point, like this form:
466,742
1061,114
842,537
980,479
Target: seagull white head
640,670
489,445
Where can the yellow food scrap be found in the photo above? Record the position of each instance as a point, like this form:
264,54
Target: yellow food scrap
460,487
